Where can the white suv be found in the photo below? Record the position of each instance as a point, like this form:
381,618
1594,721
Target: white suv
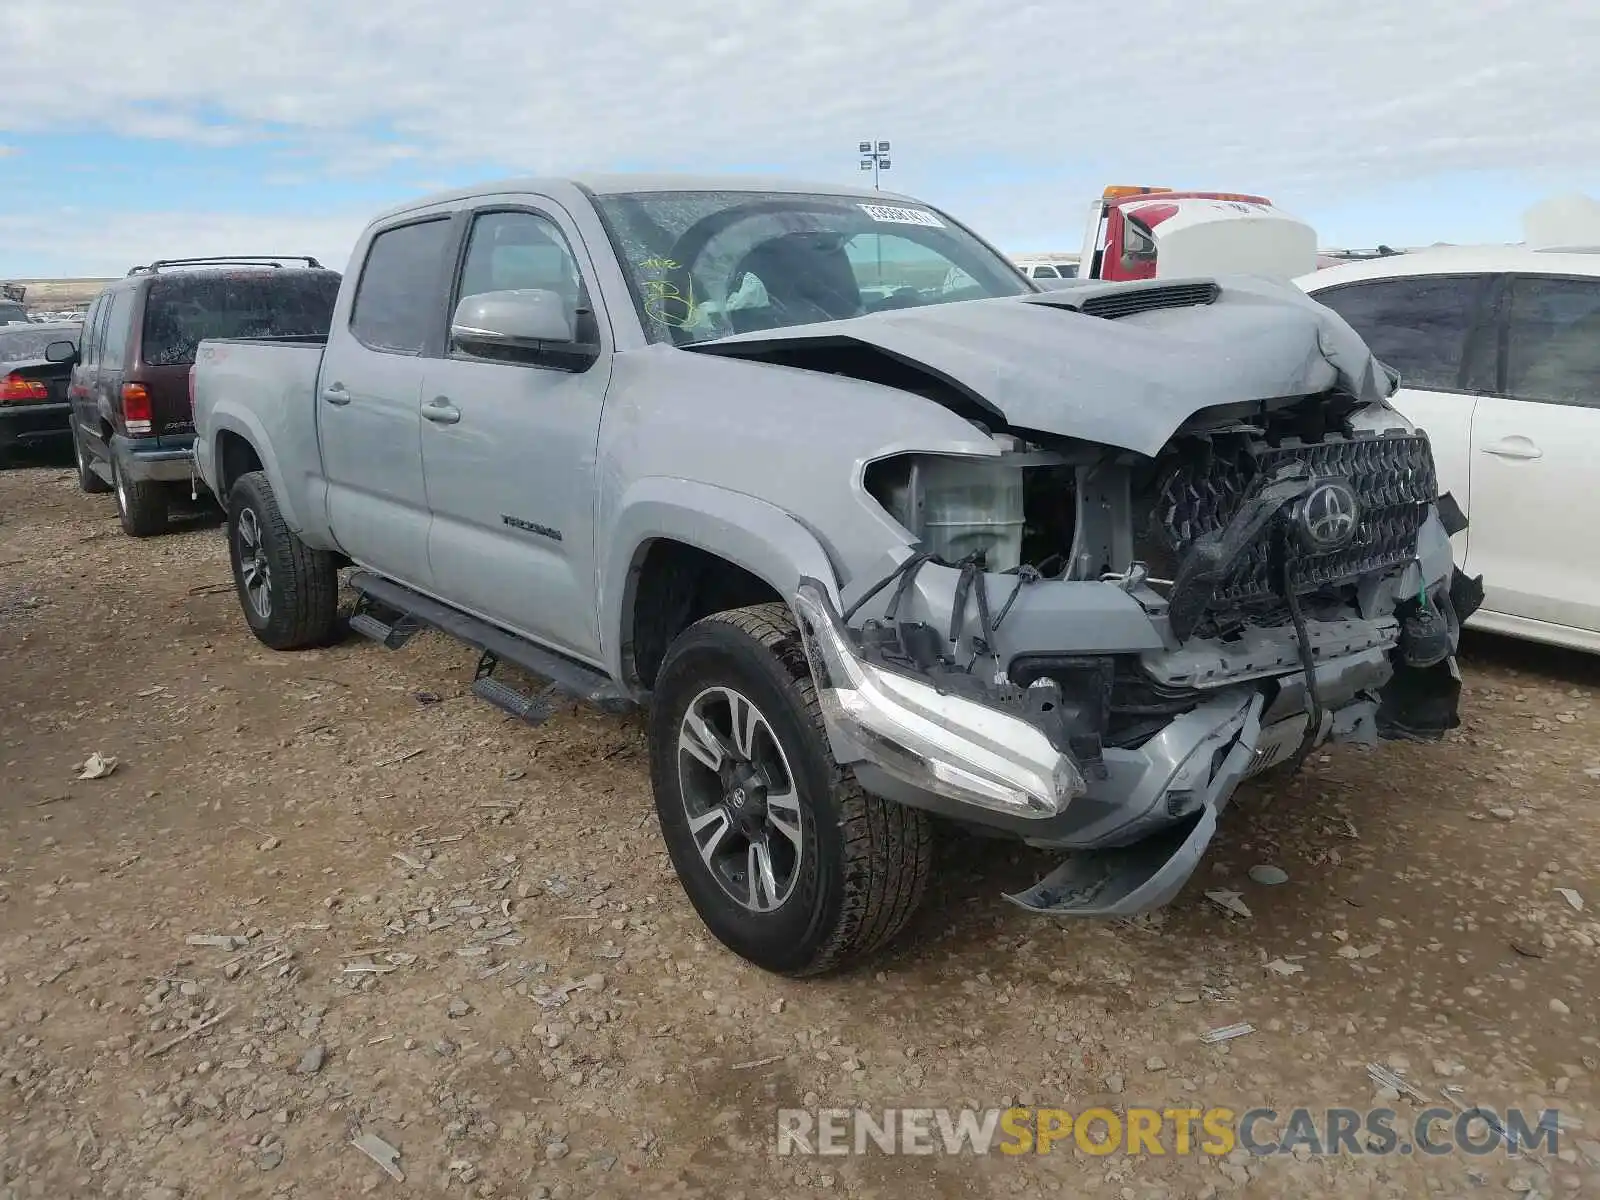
1498,350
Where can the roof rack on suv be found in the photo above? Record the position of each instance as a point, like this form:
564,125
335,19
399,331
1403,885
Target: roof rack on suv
243,260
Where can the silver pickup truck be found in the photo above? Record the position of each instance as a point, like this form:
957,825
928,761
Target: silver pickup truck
883,534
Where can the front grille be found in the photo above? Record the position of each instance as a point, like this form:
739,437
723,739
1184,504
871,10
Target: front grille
1392,475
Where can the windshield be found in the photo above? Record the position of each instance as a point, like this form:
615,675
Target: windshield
183,310
27,344
707,264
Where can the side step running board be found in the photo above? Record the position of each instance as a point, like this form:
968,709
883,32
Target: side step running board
390,637
535,710
575,679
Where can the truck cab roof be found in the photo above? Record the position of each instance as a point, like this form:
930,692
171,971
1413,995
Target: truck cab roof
616,184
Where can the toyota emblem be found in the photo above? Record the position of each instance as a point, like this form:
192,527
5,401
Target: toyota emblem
1328,516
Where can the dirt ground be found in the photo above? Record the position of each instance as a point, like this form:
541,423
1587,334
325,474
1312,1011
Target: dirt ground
461,935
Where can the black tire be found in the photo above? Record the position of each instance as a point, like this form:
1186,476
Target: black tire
300,585
863,862
141,503
88,481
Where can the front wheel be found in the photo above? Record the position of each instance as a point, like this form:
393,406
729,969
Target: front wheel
789,863
289,592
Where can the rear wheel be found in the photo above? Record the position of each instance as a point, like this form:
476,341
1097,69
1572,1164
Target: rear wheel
787,860
88,481
289,592
141,503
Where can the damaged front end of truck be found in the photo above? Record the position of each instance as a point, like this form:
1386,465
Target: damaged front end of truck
1091,637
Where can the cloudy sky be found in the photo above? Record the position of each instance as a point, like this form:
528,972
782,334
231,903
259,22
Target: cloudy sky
143,128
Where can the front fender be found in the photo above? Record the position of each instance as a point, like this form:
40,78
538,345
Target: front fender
750,533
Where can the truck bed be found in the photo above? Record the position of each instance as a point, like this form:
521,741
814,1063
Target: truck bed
266,389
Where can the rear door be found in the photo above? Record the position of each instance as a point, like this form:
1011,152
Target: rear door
184,308
511,465
111,366
1535,505
1437,331
369,393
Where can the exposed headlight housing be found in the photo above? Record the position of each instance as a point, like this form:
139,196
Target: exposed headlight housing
955,505
949,745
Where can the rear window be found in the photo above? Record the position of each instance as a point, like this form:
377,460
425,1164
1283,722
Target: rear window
183,310
27,344
10,312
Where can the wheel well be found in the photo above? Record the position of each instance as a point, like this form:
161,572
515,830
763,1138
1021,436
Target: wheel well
235,457
675,585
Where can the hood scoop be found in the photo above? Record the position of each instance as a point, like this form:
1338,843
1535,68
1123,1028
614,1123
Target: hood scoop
1116,303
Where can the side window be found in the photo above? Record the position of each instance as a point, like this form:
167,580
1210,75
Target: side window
514,251
397,299
1553,340
90,342
95,328
524,251
118,322
1417,325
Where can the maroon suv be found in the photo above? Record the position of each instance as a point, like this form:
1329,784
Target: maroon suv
131,422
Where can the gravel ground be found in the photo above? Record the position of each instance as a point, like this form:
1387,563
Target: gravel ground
461,935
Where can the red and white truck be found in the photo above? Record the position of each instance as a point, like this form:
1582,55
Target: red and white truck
1151,233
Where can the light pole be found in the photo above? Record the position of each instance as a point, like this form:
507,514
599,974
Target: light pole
875,158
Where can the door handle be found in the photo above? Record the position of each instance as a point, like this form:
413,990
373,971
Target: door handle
440,411
1516,446
336,393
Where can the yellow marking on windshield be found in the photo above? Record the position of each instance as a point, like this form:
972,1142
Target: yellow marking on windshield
668,306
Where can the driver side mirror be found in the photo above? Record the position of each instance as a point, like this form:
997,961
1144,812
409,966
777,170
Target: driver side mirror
60,352
522,325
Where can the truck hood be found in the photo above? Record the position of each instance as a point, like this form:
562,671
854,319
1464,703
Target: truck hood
1119,364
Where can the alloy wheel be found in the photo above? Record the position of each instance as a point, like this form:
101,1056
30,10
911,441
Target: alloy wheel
255,573
740,797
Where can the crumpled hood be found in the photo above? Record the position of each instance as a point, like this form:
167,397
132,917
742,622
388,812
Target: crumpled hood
1042,363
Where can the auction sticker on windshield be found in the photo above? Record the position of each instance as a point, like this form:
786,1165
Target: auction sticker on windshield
894,215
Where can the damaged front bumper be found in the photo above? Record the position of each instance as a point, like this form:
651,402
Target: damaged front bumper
1137,827
1228,739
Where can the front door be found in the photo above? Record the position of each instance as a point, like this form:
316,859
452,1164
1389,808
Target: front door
368,397
508,445
1535,504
